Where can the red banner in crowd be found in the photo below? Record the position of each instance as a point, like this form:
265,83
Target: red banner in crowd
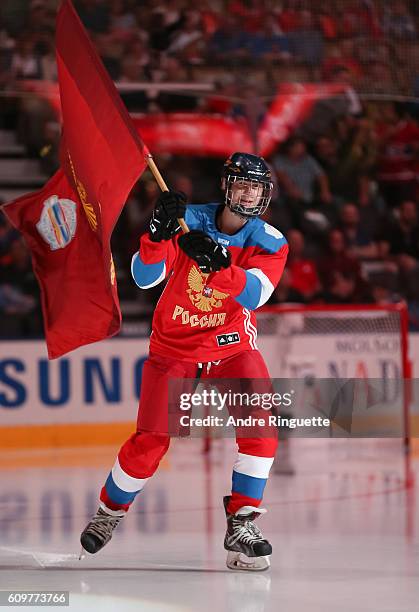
291,106
68,224
218,136
193,134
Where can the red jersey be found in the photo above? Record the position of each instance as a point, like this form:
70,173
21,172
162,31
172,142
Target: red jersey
397,161
304,277
202,317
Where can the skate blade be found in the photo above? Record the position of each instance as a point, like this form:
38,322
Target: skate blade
82,554
239,561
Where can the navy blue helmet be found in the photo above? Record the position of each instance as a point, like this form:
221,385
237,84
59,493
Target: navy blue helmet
247,184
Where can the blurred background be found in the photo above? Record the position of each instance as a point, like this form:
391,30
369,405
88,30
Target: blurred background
346,169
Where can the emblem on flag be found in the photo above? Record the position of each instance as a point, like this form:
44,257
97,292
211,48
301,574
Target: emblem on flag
58,222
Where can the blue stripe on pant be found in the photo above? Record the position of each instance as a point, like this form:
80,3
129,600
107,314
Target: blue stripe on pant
248,485
117,495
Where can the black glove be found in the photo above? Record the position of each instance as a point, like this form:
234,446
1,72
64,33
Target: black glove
164,223
209,255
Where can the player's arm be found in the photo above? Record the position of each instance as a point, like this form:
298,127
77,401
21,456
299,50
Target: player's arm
260,278
157,253
251,287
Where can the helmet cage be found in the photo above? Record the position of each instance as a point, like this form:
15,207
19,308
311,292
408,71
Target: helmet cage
240,209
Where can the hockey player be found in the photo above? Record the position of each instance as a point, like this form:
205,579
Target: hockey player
204,323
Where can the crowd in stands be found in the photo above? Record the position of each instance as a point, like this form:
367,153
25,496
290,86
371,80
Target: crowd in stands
347,182
376,41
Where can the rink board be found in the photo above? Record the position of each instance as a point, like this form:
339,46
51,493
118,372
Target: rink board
92,394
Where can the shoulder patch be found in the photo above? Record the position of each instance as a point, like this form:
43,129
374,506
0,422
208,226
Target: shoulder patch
272,231
267,237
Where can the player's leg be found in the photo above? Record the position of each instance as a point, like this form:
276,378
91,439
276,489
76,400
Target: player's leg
140,455
256,450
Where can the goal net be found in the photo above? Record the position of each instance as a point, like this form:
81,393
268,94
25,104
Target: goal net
366,345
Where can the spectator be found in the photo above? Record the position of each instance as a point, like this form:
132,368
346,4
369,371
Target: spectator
174,71
298,173
188,41
381,78
26,63
229,43
358,18
340,273
40,19
135,218
358,241
211,17
48,61
302,270
5,68
138,52
170,10
398,142
383,293
342,55
306,42
183,183
284,293
348,159
220,101
328,111
122,21
344,76
398,22
328,24
400,244
18,288
269,43
251,13
132,72
159,32
289,18
111,53
94,15
7,235
401,237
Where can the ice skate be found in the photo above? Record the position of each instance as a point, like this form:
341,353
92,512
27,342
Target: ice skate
246,546
99,531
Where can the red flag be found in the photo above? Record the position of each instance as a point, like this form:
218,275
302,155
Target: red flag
68,224
74,271
101,151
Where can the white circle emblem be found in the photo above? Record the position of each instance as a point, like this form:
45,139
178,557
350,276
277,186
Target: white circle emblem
58,222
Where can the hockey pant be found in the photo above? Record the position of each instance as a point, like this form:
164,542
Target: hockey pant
141,454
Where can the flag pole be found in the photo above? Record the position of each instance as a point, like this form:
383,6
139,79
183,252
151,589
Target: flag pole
161,183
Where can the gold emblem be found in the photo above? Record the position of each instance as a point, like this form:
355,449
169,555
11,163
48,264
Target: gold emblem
200,295
112,271
88,208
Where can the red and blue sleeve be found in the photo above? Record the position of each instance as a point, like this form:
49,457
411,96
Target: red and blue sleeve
153,262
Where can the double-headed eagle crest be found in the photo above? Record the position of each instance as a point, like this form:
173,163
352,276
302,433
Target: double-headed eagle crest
203,297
